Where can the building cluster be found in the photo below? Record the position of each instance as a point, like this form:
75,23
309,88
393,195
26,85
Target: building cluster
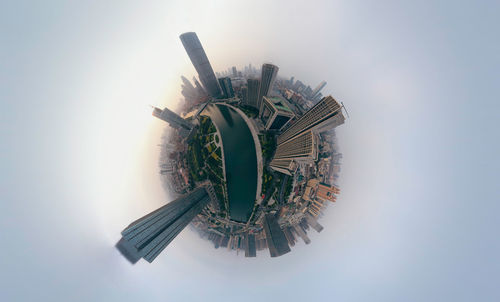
305,160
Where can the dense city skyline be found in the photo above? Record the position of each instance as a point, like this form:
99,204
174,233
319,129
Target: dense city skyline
287,125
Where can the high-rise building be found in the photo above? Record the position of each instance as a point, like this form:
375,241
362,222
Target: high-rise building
318,89
200,62
285,166
275,114
326,192
325,115
302,234
250,245
268,75
303,147
276,240
244,95
308,92
187,84
227,87
200,89
235,72
149,235
317,97
188,91
253,86
313,223
172,118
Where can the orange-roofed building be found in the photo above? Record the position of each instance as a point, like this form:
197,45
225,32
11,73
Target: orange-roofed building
326,192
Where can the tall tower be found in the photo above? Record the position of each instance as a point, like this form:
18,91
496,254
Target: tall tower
275,114
253,92
318,89
149,235
227,87
301,148
268,75
325,115
276,240
172,118
250,245
200,62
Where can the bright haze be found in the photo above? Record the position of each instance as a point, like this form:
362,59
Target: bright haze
417,218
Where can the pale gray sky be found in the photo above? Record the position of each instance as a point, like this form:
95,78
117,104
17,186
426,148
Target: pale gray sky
418,215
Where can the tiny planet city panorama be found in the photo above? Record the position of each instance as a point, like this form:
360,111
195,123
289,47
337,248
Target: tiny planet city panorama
253,159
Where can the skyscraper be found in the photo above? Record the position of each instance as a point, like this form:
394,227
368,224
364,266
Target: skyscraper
149,235
325,115
275,113
235,72
318,89
300,147
250,245
276,240
200,89
253,92
285,166
268,75
227,87
172,118
200,62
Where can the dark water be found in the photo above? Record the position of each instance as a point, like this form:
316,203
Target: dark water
240,160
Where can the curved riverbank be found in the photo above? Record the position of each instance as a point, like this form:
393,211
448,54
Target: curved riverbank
258,151
240,157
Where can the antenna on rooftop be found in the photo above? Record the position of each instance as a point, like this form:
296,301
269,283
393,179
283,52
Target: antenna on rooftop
343,106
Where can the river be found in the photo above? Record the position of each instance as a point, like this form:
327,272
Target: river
240,160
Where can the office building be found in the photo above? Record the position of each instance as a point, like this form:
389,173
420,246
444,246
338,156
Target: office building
235,72
318,89
149,235
302,234
313,223
227,87
275,114
250,245
285,166
325,115
174,120
267,77
327,193
253,86
300,147
243,95
276,240
199,88
200,62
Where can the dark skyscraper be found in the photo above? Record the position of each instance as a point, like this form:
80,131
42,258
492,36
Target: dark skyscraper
276,240
268,75
235,72
227,87
252,92
149,235
250,245
200,62
172,118
200,89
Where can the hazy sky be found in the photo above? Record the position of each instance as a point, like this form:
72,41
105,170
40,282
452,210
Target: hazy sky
418,217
